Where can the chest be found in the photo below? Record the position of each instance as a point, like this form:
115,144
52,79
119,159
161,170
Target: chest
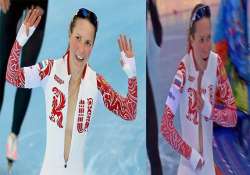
64,99
190,94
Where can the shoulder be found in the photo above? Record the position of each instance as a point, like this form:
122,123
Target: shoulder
100,78
181,68
44,68
180,77
215,57
45,63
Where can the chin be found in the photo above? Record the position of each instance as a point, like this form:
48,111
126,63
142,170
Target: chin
80,62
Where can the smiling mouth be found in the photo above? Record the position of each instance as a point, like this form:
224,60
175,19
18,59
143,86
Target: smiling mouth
79,57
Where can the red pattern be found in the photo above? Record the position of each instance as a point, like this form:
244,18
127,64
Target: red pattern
171,135
80,125
89,111
44,71
192,113
58,104
227,116
80,117
122,106
15,74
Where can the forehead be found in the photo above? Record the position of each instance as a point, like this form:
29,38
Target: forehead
203,27
83,27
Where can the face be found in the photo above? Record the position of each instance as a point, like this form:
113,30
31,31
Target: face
201,42
81,41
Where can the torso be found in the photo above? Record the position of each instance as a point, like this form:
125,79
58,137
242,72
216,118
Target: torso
190,116
69,109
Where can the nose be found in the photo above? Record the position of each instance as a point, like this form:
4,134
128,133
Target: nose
81,48
207,46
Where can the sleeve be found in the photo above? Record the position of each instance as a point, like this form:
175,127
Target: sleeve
125,107
168,129
224,111
26,77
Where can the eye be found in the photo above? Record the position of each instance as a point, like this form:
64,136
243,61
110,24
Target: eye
78,38
88,43
202,39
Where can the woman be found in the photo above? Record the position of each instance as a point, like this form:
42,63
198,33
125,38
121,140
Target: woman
70,87
202,87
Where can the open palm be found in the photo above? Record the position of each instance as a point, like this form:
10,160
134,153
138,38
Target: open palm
32,18
125,46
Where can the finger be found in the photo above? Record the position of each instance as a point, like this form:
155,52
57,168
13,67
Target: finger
4,6
119,43
8,5
27,17
122,42
38,19
40,10
33,17
1,5
125,42
130,45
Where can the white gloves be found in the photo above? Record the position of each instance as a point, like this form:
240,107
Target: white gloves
207,108
194,158
22,37
128,65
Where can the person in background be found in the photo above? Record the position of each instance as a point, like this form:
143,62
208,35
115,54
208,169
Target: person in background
11,11
152,132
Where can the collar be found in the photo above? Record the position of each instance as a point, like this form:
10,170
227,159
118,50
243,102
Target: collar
194,65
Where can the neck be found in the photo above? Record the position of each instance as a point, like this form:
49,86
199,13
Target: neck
196,64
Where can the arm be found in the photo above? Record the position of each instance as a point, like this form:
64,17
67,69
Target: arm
15,74
26,77
122,106
167,124
224,111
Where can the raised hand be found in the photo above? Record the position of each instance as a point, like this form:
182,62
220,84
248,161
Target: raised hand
125,46
127,56
32,18
29,25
